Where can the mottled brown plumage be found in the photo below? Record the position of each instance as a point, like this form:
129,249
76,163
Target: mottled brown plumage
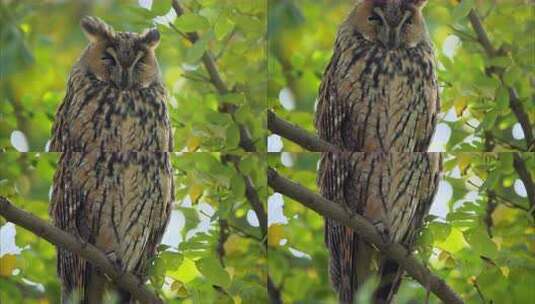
379,95
114,183
394,191
115,99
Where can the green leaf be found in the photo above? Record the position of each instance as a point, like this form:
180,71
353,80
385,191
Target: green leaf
440,230
463,9
480,242
191,22
247,164
223,27
195,52
232,136
192,218
212,270
233,98
160,7
237,185
502,98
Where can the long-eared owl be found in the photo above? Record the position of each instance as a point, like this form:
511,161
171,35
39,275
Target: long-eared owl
113,186
378,101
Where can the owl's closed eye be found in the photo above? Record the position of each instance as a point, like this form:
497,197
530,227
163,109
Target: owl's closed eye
391,23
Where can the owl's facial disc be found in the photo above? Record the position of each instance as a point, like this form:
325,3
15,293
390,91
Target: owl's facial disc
390,26
122,69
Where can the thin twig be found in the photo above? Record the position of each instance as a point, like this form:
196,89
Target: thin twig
299,136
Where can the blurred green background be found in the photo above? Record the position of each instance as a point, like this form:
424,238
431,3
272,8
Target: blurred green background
476,115
40,41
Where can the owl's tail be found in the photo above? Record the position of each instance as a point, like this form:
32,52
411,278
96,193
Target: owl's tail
391,275
349,261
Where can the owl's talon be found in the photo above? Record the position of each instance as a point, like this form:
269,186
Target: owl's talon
383,231
116,261
83,243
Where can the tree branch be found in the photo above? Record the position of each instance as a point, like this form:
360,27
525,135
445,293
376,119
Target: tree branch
89,252
514,100
274,292
522,170
299,136
246,140
251,194
367,231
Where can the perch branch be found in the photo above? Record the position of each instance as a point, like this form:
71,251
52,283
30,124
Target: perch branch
367,231
89,252
246,141
299,136
514,100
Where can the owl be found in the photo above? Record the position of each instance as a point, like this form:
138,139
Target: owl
380,89
378,100
113,186
394,191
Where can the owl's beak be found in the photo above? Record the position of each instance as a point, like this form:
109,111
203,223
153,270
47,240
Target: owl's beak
393,40
124,83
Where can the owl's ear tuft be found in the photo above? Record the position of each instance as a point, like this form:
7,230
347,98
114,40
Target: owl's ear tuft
95,29
151,38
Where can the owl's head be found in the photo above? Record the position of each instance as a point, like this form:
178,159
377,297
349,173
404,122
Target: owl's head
391,23
125,60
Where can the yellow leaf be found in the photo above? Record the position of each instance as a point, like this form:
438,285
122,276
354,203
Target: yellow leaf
464,160
505,271
180,289
275,234
7,264
193,143
234,245
237,299
454,242
460,105
503,215
195,191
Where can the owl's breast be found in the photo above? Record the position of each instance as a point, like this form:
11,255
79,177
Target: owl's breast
127,198
106,118
392,96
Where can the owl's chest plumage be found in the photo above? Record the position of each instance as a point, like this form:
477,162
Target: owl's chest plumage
378,99
96,115
118,201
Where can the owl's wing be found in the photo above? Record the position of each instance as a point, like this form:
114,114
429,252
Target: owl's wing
389,271
431,93
331,111
59,128
347,253
67,213
167,195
